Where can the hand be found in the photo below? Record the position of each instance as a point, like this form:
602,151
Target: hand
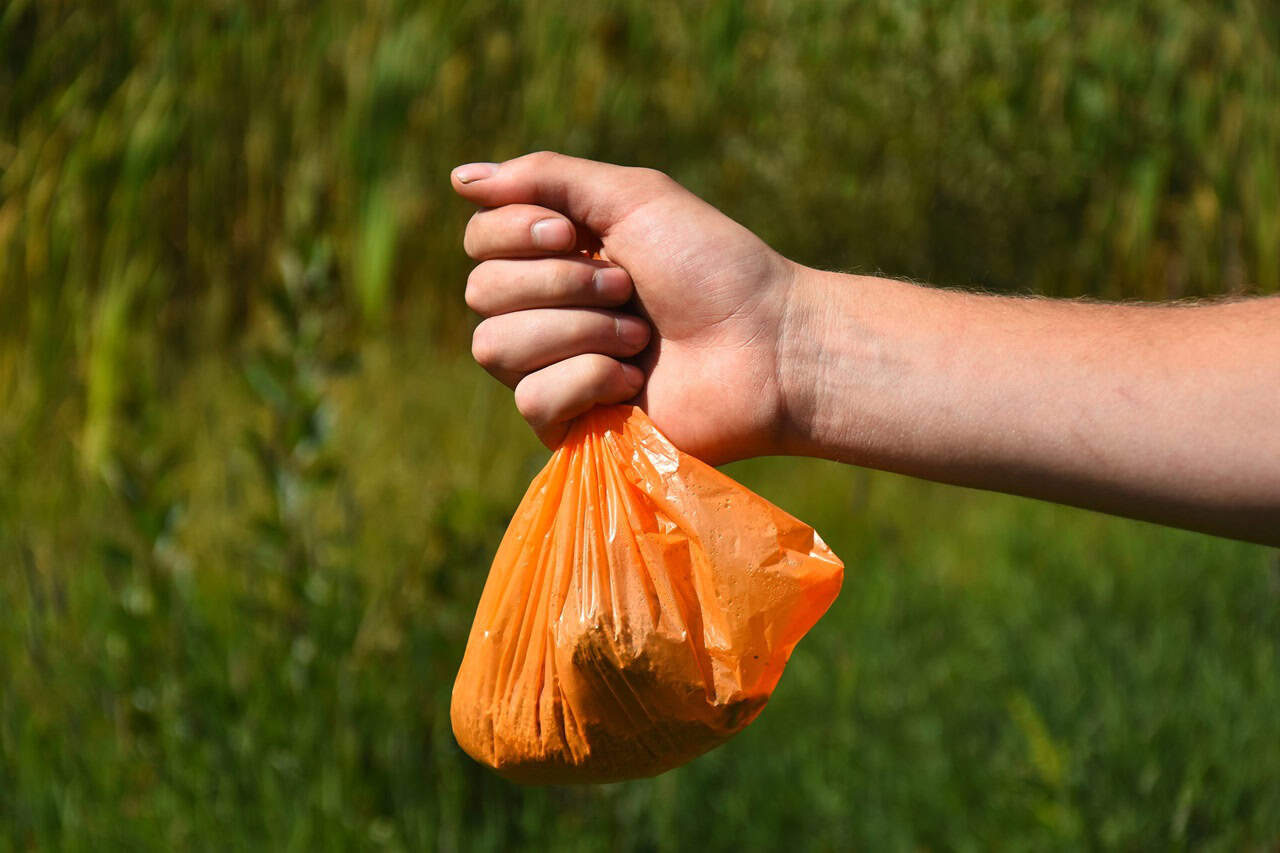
706,334
1167,414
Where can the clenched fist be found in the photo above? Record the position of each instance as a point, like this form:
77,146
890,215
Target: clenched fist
681,308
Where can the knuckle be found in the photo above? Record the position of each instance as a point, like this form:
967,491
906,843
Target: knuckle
474,295
569,280
589,327
485,347
469,242
536,160
652,177
530,402
597,371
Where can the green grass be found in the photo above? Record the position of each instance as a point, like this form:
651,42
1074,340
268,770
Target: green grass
250,484
995,672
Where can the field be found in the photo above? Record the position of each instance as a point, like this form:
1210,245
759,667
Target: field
250,481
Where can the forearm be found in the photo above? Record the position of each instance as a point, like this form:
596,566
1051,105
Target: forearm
1170,414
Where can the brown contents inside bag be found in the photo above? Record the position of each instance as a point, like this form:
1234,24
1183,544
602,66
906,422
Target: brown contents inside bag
639,611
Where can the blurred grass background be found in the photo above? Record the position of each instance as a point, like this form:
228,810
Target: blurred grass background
250,482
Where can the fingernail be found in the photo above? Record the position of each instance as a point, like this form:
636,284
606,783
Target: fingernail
633,375
474,172
552,234
632,331
611,284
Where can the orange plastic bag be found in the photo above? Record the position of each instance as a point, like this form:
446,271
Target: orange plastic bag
639,611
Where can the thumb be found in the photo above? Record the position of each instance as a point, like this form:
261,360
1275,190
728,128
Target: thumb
597,195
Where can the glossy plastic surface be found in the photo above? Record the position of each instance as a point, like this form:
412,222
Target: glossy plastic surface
639,611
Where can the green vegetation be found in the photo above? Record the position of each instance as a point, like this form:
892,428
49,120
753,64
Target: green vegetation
251,482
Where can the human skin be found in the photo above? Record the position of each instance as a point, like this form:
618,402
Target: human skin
1167,413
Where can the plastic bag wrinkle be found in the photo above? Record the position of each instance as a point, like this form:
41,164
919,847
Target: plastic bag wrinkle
639,611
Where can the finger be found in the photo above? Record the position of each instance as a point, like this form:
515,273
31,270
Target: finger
555,395
511,345
519,231
594,194
503,286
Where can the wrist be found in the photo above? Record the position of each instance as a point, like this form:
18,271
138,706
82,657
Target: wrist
839,353
805,360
